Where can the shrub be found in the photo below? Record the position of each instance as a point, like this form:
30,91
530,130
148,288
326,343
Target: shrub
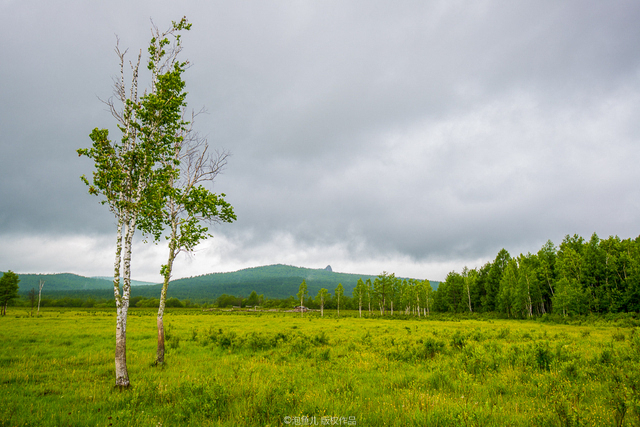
543,356
458,340
173,302
174,343
321,338
619,336
432,347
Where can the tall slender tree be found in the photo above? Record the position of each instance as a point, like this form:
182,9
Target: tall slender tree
339,293
359,292
133,174
492,284
189,205
323,295
469,282
426,291
383,289
41,285
302,293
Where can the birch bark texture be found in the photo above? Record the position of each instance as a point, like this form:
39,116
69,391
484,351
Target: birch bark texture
132,174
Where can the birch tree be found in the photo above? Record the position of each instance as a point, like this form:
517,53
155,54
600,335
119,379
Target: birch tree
383,289
302,293
40,294
369,291
132,174
323,295
425,294
470,277
359,292
339,293
189,205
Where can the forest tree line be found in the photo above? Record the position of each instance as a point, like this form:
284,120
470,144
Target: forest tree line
578,277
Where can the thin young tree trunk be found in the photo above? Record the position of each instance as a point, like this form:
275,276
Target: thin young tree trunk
165,286
529,296
426,309
160,319
40,294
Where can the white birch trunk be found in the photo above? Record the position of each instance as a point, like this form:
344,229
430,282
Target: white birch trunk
163,300
529,296
165,286
40,294
122,375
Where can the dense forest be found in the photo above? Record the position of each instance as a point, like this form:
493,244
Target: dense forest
578,277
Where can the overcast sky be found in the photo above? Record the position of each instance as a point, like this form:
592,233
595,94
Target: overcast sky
413,137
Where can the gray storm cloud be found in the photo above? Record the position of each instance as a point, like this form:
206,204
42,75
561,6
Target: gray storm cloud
426,132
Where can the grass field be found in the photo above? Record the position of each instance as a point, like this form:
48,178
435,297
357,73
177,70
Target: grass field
280,369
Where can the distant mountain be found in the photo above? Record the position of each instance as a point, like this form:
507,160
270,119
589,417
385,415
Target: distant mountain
62,282
133,282
272,281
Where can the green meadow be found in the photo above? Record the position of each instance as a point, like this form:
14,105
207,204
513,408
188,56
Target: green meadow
266,368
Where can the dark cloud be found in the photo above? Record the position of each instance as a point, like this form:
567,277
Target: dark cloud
420,134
